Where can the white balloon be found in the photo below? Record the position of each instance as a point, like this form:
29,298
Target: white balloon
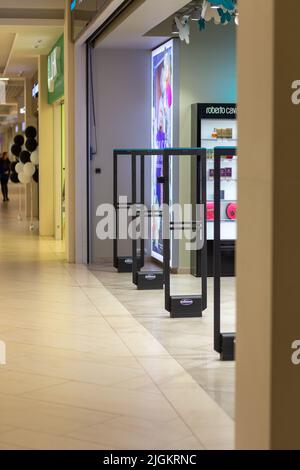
25,179
29,169
19,167
35,157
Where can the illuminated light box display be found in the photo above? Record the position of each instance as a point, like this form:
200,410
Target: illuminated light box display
162,119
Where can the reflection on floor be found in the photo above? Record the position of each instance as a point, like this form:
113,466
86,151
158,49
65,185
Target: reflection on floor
189,341
81,371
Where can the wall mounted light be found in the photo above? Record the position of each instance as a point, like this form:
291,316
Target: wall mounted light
174,28
196,15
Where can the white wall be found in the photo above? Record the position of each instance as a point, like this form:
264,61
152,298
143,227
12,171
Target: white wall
80,144
122,103
70,171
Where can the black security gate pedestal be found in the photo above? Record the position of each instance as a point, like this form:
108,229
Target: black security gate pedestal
144,280
224,343
183,306
124,264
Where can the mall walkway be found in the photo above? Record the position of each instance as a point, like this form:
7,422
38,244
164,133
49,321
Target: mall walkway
81,372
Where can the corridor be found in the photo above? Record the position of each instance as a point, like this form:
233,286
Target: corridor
81,372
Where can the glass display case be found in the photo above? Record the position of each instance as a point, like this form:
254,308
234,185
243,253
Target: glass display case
215,125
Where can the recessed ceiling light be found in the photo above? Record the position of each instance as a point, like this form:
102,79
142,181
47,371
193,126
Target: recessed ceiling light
37,43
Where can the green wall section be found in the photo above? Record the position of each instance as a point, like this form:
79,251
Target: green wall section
207,75
59,83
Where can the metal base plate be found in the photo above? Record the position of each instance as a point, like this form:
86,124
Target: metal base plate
184,306
227,346
150,280
125,264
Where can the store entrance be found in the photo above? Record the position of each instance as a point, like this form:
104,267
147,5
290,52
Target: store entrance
203,74
152,86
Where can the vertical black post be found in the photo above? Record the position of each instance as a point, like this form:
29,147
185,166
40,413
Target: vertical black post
116,207
142,195
166,226
88,151
202,195
217,253
134,201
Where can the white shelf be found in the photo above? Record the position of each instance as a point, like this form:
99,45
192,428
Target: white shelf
222,221
223,180
220,140
226,201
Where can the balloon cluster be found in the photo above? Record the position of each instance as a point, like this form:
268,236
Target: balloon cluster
25,168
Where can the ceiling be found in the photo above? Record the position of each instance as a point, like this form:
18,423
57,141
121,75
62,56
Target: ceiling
14,90
131,33
28,28
33,4
23,46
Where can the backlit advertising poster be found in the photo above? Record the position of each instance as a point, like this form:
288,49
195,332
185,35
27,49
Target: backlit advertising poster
162,131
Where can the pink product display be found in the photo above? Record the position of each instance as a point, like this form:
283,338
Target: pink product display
231,211
210,211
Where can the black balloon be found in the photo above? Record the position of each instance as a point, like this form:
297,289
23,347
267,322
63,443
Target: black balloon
24,157
13,166
19,140
31,145
14,177
36,176
31,132
16,150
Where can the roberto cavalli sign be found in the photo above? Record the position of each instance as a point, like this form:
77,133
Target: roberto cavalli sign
217,111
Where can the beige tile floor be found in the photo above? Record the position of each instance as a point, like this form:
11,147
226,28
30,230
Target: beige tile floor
188,341
82,372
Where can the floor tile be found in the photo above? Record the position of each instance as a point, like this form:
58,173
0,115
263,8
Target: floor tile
55,419
94,364
133,403
16,383
41,441
135,433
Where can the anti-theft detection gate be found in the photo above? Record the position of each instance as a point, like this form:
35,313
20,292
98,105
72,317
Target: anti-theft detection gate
185,305
144,280
122,263
224,343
